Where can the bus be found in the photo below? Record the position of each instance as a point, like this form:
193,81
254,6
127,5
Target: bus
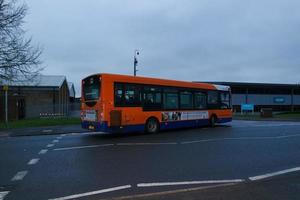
123,103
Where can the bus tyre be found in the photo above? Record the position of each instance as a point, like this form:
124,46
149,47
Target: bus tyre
213,121
152,126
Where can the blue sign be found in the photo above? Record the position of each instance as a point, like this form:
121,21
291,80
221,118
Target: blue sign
247,107
279,99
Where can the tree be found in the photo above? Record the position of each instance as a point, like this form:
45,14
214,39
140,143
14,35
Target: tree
18,58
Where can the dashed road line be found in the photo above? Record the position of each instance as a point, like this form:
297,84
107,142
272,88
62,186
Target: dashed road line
33,161
93,193
144,144
55,141
59,137
268,175
19,176
3,194
189,183
83,147
50,145
43,151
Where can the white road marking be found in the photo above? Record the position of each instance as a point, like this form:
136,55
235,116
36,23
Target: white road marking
93,193
198,141
83,147
63,135
3,194
173,191
55,141
141,144
50,145
60,137
89,133
19,176
242,138
43,151
33,161
255,178
189,183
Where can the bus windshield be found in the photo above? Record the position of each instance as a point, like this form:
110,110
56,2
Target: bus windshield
91,88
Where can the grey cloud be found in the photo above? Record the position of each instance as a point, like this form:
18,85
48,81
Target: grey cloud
229,40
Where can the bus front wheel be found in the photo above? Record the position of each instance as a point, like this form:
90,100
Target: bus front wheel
213,120
152,125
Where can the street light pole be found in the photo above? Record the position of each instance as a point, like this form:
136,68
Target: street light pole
5,88
135,62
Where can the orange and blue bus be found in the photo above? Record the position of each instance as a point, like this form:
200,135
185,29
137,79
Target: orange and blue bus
121,103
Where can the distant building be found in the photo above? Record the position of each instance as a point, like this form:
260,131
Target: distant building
42,96
279,97
71,92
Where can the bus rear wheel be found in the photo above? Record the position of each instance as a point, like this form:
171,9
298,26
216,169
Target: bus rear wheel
152,126
213,121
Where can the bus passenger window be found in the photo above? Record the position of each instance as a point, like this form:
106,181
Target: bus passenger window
118,94
132,95
170,100
200,100
152,98
213,97
186,100
213,100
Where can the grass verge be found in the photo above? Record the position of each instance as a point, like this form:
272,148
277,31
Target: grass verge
277,116
36,122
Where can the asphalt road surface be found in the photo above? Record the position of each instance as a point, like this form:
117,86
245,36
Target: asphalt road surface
98,166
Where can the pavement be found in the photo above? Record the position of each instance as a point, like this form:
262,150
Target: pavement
241,160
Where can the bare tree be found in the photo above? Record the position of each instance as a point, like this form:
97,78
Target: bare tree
18,58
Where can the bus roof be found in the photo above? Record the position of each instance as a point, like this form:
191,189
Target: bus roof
162,82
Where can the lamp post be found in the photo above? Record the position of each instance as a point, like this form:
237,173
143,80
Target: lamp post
5,88
135,62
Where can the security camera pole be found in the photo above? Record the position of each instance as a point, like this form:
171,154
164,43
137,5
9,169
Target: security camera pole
135,63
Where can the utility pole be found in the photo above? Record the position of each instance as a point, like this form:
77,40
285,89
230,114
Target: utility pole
5,88
135,62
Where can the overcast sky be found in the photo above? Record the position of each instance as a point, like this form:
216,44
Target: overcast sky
193,40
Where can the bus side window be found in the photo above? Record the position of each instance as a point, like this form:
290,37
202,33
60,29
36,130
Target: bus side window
213,99
132,95
200,100
170,99
151,98
118,94
186,100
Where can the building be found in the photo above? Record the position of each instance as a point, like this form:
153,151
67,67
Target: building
71,92
279,97
40,96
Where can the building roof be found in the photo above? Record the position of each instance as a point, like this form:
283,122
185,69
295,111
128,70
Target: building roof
247,84
71,89
37,81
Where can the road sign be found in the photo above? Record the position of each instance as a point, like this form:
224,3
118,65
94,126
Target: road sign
247,107
279,100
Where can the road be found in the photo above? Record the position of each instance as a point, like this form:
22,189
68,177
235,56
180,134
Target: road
97,166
